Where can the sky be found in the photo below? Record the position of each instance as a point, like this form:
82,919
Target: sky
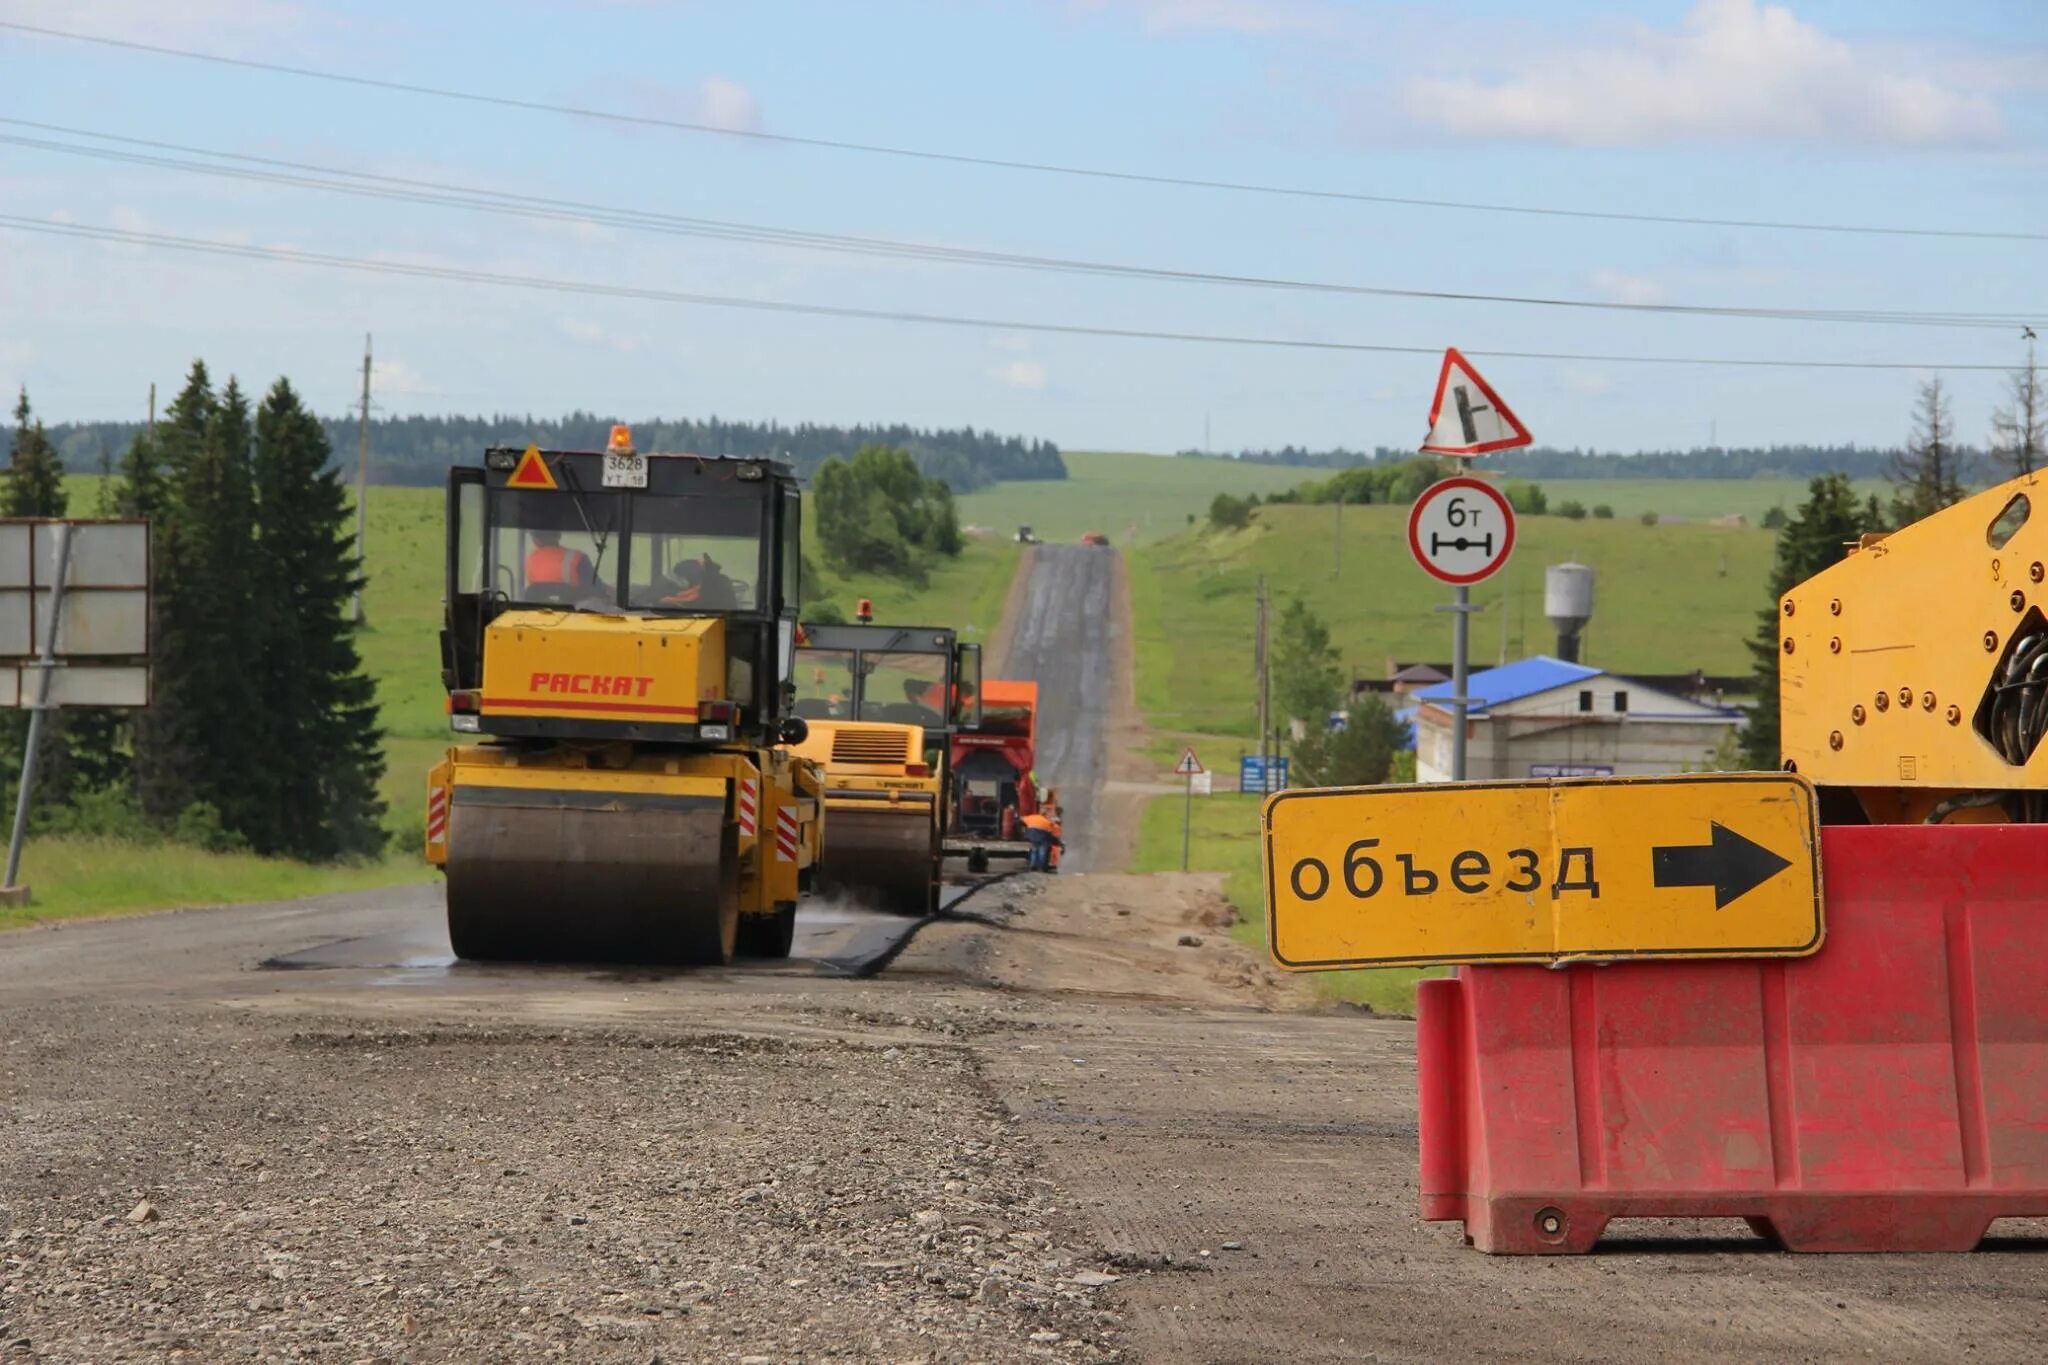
1865,113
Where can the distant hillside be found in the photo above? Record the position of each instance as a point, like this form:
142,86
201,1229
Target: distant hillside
418,450
1546,462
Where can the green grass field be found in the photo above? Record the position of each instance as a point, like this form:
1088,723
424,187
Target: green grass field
1691,499
76,878
1668,599
1226,840
1129,498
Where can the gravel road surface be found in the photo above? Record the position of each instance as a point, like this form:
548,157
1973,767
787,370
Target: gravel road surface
1016,1144
1073,1122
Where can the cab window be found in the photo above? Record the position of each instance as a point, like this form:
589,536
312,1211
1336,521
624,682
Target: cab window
824,684
909,689
551,549
695,554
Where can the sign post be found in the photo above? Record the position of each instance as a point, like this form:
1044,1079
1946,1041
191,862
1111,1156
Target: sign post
74,631
45,665
1461,531
1467,419
1188,767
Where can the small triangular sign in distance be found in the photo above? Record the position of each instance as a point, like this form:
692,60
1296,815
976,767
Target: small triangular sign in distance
531,471
1467,417
1189,765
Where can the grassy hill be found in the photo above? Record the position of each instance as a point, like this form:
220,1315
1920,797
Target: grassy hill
1129,498
1691,499
1669,598
1141,498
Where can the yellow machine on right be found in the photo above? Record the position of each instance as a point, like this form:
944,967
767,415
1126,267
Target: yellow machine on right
1914,674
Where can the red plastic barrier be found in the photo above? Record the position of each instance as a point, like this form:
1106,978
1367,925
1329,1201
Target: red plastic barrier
1889,1093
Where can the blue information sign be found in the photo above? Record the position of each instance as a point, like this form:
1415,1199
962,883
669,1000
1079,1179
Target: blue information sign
1255,774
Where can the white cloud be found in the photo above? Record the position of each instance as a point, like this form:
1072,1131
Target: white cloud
584,332
1252,17
396,379
1618,287
1021,374
715,100
727,104
1736,70
1587,383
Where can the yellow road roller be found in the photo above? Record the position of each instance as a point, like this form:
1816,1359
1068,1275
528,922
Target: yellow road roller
882,703
620,630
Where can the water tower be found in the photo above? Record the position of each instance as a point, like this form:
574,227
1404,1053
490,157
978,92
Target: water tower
1568,602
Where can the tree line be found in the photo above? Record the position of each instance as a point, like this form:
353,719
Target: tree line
419,450
2017,444
262,728
1548,462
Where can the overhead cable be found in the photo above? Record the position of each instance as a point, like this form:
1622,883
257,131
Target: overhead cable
1004,163
306,175
417,270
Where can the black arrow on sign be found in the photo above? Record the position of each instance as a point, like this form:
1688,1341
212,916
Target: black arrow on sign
1731,864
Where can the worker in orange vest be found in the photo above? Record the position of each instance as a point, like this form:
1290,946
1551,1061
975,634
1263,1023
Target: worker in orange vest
549,562
1044,837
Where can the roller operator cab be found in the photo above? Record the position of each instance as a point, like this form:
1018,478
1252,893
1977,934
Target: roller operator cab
619,642
882,703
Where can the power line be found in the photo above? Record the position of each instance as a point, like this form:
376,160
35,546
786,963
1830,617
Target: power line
294,256
1004,163
365,185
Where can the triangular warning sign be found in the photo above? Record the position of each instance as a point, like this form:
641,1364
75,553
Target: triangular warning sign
1189,765
1467,417
531,471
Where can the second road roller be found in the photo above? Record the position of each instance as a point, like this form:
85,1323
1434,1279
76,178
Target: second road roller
619,642
882,703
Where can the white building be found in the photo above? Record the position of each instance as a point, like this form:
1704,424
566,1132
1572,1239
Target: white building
1543,717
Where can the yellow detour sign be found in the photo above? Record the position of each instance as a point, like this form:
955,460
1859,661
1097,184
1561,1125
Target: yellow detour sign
1707,865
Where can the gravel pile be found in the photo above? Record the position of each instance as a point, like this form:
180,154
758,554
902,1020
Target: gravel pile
206,1188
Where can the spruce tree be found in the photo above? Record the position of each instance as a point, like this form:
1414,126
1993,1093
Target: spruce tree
138,485
35,476
320,730
1819,534
196,741
216,508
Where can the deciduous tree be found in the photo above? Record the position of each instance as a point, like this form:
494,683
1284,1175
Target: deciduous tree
1307,683
2019,429
1361,753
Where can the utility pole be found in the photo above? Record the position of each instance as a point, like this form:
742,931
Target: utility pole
363,485
1259,662
1337,541
1207,449
152,407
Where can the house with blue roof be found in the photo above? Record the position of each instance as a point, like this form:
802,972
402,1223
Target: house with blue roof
1543,717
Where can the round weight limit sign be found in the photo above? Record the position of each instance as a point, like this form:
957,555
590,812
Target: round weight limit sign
1461,530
